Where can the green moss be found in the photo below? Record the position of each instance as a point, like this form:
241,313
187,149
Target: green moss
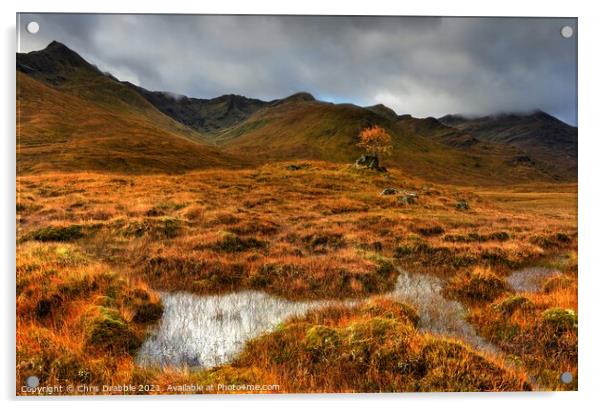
560,318
476,237
450,366
320,337
232,243
429,230
170,227
105,329
163,227
513,303
322,241
557,239
51,233
392,310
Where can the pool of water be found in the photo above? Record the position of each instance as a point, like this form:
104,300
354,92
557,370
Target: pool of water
207,331
530,279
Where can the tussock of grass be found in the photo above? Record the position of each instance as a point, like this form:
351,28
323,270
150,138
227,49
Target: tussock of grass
162,227
74,317
558,282
559,239
538,329
105,329
374,347
514,303
480,285
318,232
560,319
232,243
58,233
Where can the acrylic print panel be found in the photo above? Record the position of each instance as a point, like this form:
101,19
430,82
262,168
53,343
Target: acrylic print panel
285,204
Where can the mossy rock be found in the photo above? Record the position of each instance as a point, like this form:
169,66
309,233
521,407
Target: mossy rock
106,329
514,303
462,205
560,318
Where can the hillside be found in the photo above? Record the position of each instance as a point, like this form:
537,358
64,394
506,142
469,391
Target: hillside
79,118
73,117
314,130
541,136
204,115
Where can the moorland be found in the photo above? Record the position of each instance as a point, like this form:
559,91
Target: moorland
126,195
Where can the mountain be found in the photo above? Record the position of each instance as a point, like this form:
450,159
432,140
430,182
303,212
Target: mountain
72,117
204,115
542,137
310,129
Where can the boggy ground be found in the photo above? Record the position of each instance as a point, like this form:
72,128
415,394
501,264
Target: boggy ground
93,249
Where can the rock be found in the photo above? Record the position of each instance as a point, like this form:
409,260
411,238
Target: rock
408,198
297,167
389,191
370,162
462,205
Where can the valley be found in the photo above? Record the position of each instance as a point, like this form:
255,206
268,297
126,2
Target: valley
168,240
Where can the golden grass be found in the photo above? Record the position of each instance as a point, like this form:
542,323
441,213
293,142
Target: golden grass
70,130
322,231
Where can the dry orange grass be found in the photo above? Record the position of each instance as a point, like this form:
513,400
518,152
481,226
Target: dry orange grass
315,231
77,320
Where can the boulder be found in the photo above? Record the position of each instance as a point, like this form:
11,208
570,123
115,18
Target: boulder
297,166
389,191
370,162
462,205
408,198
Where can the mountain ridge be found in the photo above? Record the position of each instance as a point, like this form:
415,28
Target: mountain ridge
540,135
248,130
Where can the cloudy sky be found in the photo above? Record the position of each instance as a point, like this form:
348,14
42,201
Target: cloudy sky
418,65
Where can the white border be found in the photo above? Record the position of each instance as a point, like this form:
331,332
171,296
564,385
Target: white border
590,228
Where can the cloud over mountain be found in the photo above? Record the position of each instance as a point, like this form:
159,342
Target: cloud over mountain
423,66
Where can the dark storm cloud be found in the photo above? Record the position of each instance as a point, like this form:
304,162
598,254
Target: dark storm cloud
422,66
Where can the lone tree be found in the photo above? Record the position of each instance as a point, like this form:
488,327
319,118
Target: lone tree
375,141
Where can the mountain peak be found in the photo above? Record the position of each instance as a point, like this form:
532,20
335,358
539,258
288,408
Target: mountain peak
384,111
299,96
53,63
56,45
